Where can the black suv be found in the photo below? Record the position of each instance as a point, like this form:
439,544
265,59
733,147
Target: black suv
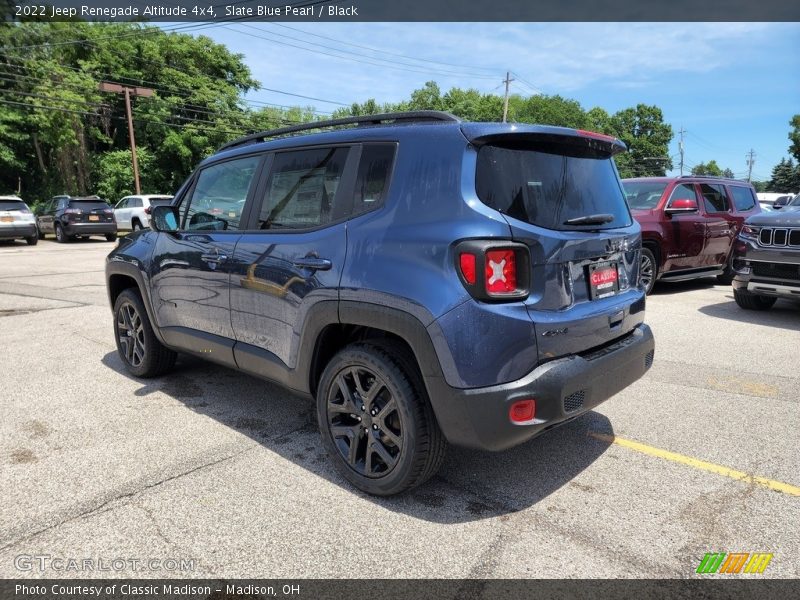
766,259
426,280
71,217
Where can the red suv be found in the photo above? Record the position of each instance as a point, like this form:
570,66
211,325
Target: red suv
688,224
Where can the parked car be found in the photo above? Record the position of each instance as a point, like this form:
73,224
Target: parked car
426,280
17,221
688,224
133,212
69,217
782,201
767,260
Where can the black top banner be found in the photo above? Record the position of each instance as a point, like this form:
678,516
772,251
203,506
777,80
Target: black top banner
401,10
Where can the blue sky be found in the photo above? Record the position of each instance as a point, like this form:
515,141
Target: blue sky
732,86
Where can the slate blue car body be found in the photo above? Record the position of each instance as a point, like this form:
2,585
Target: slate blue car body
394,271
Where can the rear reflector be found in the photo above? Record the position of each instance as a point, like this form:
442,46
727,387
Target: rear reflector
501,271
522,411
467,262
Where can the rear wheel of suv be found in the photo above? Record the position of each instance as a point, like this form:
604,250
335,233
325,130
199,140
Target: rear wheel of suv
375,419
111,237
138,347
39,233
32,240
61,237
727,275
648,270
136,226
752,301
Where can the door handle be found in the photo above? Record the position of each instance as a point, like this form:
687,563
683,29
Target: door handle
215,258
313,263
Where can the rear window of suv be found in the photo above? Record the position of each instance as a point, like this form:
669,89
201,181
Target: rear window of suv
13,205
547,186
88,204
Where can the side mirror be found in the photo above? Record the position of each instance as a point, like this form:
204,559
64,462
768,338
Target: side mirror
681,205
780,203
164,218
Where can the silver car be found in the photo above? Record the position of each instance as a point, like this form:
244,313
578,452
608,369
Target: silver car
17,221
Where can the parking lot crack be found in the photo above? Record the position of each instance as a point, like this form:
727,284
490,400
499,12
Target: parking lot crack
114,501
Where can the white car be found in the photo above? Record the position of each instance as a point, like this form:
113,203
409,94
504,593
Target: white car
17,221
133,212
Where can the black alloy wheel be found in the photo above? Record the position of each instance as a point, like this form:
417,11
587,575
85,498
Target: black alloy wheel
647,270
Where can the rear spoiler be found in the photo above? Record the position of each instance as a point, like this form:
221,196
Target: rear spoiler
482,134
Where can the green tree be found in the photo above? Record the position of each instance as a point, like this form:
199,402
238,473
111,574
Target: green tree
728,173
113,173
548,110
709,168
785,177
647,136
794,136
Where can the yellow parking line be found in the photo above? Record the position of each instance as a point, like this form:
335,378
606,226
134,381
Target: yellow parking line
778,486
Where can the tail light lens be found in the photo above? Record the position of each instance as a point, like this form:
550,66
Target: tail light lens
147,210
493,270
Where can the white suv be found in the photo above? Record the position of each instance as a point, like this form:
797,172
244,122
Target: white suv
133,212
17,220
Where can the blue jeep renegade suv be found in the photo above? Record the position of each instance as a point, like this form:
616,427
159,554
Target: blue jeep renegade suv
425,280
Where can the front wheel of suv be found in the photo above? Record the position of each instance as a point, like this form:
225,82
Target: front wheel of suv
752,301
137,344
375,420
648,270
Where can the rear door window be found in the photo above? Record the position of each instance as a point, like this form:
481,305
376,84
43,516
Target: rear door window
547,186
302,190
714,198
743,198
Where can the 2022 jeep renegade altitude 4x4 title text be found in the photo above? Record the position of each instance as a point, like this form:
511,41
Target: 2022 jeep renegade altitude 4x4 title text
426,280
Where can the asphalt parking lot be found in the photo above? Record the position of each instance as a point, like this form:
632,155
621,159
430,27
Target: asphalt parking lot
699,456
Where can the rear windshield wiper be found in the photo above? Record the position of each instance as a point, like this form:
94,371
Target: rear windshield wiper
590,220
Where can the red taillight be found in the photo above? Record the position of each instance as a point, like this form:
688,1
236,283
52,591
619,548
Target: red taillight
467,262
501,271
147,210
522,411
598,136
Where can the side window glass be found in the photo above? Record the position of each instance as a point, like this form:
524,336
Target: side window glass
302,188
684,191
122,203
220,194
742,198
714,198
135,203
373,176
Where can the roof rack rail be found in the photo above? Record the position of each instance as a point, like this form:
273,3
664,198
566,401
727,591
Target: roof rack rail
419,116
707,176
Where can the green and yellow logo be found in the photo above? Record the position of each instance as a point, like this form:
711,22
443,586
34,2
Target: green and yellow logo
734,562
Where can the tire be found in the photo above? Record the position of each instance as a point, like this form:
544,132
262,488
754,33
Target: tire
395,452
135,225
111,237
727,275
39,233
752,301
648,270
141,352
33,240
61,237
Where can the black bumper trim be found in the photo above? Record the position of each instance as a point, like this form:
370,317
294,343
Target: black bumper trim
478,418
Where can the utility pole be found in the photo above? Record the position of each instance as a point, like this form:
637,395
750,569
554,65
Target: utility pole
750,161
128,91
507,81
680,146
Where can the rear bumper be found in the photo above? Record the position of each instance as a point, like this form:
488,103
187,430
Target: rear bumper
89,228
563,389
16,231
